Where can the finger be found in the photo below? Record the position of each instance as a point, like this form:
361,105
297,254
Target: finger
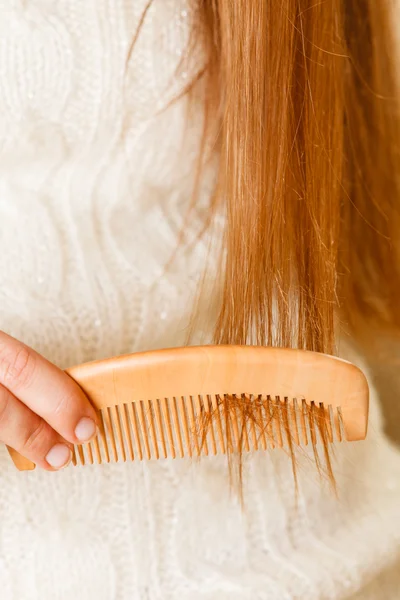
46,390
30,435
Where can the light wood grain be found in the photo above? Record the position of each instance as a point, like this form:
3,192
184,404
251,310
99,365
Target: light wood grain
163,392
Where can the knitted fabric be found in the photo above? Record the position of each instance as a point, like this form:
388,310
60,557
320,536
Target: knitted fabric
96,174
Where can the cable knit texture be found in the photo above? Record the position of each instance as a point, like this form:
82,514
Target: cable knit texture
96,173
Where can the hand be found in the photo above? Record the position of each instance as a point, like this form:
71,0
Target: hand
42,410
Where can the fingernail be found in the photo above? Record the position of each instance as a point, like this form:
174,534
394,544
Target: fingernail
59,456
85,429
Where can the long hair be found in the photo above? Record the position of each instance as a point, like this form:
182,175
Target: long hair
303,98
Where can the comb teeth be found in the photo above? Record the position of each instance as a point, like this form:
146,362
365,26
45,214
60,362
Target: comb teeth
195,425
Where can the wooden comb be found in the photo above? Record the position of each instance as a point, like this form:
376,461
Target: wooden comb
152,404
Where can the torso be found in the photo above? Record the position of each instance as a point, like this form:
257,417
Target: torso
95,181
96,176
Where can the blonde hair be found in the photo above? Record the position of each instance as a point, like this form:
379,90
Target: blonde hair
304,98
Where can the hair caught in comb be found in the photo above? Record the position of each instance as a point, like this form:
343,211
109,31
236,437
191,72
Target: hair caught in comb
303,98
244,423
302,101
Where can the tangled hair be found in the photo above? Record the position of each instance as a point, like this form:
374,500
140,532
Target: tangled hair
306,104
301,97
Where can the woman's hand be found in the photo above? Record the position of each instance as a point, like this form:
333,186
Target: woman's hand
42,410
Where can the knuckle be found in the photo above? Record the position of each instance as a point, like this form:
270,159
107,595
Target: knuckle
17,366
36,438
62,405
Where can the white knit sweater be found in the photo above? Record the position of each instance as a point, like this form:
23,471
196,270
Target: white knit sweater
95,179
